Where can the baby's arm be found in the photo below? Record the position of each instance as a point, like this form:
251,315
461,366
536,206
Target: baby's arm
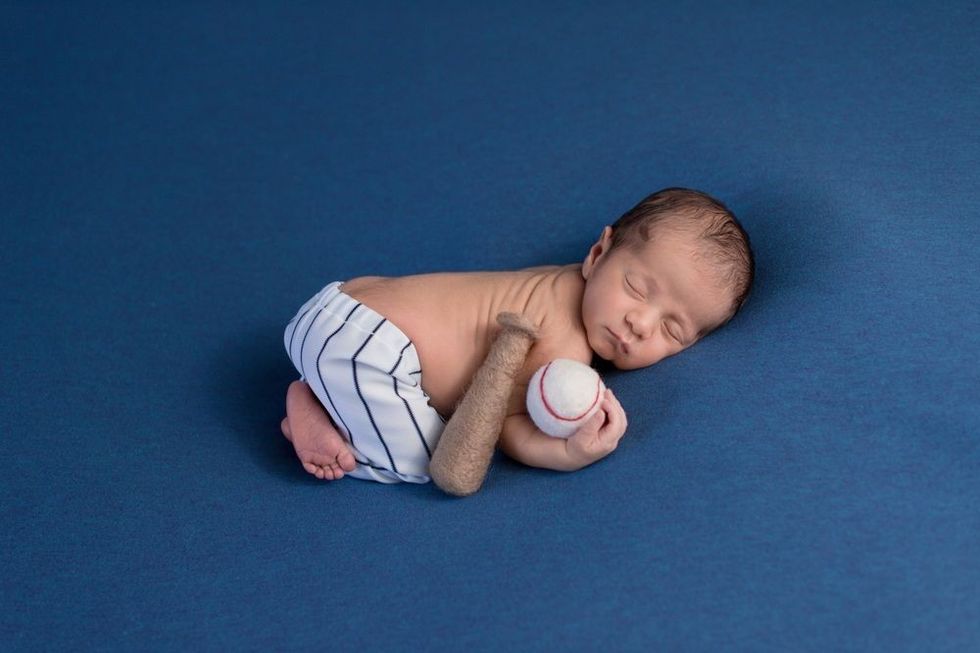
596,439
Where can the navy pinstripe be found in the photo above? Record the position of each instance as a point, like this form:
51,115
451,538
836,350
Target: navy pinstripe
357,387
302,345
350,434
412,417
399,361
292,336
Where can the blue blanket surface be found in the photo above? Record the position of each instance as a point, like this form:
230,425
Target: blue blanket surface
176,181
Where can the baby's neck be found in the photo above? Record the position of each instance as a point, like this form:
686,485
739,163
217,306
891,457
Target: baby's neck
558,292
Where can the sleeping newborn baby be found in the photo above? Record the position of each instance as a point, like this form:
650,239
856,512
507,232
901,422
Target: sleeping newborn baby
384,361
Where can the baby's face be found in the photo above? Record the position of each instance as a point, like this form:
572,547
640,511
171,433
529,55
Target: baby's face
641,306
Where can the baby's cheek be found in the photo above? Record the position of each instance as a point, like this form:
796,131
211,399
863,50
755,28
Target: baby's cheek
641,359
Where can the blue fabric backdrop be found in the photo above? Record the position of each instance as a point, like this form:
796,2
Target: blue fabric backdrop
176,181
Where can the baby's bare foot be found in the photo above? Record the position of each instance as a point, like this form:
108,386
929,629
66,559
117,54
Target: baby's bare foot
318,444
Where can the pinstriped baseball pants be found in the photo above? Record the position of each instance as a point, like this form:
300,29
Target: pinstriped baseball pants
367,375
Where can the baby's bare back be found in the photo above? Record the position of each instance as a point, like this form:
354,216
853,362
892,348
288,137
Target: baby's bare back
451,319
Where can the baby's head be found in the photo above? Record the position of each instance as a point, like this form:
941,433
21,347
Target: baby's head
671,270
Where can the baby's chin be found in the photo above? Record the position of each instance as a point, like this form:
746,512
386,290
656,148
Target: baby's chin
599,359
597,347
604,365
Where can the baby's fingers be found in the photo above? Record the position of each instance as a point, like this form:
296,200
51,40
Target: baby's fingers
594,424
618,408
616,426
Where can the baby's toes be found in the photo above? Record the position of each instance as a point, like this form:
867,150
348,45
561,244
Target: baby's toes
315,470
345,459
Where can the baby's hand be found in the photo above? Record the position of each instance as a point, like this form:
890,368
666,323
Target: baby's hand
598,437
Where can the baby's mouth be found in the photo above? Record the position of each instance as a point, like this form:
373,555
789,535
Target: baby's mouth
618,342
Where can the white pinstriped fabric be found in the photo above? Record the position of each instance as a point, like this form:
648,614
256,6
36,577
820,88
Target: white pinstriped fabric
367,375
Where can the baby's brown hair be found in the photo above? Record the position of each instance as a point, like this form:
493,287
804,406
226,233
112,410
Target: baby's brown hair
726,244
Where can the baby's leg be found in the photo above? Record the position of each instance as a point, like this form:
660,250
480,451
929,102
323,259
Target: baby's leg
318,444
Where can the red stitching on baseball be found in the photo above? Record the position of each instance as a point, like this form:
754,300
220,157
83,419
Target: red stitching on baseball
544,398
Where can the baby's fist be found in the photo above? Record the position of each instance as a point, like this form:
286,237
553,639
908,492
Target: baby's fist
599,436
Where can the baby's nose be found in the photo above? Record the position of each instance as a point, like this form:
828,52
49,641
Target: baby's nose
640,325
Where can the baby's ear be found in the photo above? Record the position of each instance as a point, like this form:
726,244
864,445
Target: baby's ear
599,249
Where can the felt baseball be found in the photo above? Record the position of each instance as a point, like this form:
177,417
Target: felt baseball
563,395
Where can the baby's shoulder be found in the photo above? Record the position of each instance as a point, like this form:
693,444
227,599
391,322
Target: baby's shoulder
557,307
571,344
